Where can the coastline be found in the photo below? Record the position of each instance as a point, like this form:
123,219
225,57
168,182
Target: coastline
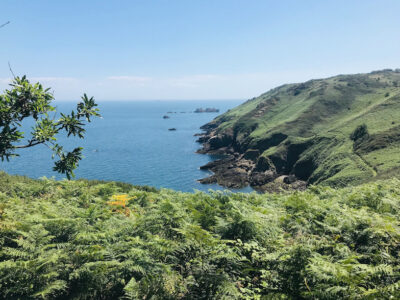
240,166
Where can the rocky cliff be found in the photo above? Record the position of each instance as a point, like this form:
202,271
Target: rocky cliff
299,134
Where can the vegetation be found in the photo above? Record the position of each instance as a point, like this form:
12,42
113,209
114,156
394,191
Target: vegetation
359,133
106,240
304,129
26,100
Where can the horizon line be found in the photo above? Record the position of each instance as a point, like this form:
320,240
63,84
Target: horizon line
142,100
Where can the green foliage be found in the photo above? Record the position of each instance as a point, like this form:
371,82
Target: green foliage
63,240
26,100
360,132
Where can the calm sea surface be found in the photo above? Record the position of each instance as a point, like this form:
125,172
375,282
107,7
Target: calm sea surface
132,143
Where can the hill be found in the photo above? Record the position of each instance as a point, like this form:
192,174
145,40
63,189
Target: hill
107,240
299,134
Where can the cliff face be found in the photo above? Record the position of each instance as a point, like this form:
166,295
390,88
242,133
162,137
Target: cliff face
299,134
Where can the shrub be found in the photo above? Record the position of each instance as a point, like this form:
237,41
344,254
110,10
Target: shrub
73,240
360,132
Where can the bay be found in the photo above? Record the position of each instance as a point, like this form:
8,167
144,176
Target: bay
131,143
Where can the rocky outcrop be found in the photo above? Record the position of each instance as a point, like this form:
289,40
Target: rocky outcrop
216,143
230,172
237,172
241,167
252,154
206,110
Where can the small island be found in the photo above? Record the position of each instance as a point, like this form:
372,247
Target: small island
206,110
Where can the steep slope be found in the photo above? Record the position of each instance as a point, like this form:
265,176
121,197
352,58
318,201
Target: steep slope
298,134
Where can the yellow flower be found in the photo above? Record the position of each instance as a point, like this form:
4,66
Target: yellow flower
120,201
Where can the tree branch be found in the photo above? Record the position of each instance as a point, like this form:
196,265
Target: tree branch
30,144
6,23
9,65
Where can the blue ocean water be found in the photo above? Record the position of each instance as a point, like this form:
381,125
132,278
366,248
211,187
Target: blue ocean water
132,143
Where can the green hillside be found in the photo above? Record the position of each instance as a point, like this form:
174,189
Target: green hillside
106,240
304,130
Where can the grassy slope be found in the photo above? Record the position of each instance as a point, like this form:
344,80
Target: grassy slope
325,112
63,240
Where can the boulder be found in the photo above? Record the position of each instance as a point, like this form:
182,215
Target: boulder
233,178
217,163
208,180
261,178
289,179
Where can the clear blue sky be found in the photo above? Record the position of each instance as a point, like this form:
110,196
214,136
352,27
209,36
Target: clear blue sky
192,49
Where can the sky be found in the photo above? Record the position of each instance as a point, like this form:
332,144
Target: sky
192,49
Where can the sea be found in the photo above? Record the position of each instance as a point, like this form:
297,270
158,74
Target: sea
132,143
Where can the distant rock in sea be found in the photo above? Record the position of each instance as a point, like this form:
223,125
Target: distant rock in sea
206,110
165,117
172,129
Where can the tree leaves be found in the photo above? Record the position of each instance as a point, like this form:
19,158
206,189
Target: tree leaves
26,100
68,162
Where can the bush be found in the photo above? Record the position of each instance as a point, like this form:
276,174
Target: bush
69,240
360,132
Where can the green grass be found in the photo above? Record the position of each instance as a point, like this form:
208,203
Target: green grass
64,240
325,111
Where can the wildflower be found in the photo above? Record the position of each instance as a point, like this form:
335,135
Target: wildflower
120,201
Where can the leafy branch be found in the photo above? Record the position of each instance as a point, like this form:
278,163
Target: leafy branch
25,100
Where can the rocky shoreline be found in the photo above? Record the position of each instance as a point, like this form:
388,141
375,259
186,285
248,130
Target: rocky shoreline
241,167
